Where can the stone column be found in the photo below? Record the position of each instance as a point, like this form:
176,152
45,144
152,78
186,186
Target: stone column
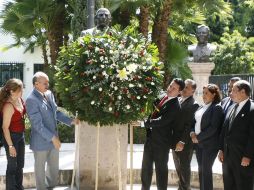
201,73
108,159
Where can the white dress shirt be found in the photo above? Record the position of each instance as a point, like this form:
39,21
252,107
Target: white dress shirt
198,116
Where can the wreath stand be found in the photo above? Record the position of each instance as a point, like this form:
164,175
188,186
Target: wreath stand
120,135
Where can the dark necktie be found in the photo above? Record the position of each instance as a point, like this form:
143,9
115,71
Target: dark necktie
157,108
232,115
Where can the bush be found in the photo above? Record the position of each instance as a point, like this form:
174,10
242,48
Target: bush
235,55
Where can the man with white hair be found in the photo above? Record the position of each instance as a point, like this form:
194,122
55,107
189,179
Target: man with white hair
45,144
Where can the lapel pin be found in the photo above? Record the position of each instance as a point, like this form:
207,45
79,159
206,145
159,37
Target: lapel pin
242,115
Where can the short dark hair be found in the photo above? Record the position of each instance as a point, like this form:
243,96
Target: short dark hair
245,85
192,82
180,82
214,89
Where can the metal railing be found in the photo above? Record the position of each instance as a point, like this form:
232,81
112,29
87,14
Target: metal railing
10,70
222,82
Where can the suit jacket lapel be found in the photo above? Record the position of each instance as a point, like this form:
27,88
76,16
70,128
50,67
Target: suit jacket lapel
244,110
40,97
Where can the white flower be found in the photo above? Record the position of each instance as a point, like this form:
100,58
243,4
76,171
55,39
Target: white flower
101,59
97,49
92,102
131,85
100,89
138,97
144,97
102,66
139,85
128,107
111,51
110,109
152,83
104,73
122,74
135,56
94,77
119,97
132,67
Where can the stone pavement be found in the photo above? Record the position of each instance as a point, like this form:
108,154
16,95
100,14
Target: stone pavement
67,160
135,187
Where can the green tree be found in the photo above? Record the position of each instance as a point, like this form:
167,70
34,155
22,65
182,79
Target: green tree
234,55
41,22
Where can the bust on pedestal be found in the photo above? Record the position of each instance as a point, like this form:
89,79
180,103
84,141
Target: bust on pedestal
200,63
107,175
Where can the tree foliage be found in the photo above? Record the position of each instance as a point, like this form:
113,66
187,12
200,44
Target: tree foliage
235,55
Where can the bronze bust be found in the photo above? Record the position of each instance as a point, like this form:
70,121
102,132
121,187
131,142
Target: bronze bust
102,22
202,51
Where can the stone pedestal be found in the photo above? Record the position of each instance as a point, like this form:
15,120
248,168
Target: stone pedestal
108,157
201,73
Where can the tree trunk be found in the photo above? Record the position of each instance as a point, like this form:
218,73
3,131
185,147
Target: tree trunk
160,34
55,33
45,56
160,28
144,20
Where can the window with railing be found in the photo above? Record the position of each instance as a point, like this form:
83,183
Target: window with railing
38,67
10,70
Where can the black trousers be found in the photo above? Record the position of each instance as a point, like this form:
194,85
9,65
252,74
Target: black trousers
159,156
235,176
205,158
15,165
182,162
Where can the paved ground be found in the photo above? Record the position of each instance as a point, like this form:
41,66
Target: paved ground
135,187
67,160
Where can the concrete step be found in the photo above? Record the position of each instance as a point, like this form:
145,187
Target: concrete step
67,161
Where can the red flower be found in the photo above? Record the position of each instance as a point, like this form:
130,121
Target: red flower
125,90
90,61
148,79
82,74
133,97
86,89
141,53
145,90
116,114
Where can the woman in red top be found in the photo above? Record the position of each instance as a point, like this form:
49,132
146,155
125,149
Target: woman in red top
13,111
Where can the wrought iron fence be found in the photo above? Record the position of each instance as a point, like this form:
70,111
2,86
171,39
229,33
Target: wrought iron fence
222,82
10,70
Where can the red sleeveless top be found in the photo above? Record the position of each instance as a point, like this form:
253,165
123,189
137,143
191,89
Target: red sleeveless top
17,124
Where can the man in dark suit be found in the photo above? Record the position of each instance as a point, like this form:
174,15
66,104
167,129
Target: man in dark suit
159,128
237,140
227,102
182,154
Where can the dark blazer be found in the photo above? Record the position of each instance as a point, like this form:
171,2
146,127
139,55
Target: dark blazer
240,138
160,129
185,121
211,124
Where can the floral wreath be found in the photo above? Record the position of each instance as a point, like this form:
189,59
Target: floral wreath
109,78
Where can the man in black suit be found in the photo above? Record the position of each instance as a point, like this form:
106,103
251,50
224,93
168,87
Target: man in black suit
227,102
237,140
182,154
159,128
